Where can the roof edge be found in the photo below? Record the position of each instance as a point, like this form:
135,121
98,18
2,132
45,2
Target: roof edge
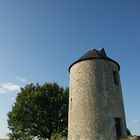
107,58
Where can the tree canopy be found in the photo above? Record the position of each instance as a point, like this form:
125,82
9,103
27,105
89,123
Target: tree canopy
39,111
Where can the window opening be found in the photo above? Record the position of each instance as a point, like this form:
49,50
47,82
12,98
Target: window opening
115,78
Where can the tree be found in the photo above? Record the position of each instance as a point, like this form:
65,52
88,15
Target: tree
128,132
39,111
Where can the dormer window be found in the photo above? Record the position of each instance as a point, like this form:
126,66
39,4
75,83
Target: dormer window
115,78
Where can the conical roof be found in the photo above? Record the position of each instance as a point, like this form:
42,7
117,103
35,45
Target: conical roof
95,54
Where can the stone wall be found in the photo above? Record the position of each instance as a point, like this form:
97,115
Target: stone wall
94,101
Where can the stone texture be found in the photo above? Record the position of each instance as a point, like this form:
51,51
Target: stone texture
94,101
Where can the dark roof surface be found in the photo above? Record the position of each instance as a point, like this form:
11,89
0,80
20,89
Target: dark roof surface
95,54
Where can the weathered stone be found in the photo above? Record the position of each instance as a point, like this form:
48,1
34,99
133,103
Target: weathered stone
95,101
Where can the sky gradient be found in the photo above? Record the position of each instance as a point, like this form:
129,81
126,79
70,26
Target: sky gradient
39,39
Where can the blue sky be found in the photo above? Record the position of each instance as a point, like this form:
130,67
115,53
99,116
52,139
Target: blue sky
39,39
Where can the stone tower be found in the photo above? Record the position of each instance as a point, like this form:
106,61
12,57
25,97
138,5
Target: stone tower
96,110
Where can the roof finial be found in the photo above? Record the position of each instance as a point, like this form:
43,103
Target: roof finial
102,52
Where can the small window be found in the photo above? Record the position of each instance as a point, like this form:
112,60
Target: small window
115,78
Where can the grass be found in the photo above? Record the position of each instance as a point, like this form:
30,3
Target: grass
130,138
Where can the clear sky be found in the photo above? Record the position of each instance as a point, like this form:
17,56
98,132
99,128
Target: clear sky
39,39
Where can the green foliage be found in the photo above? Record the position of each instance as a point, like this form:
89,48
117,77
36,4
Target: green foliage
128,132
56,136
39,111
